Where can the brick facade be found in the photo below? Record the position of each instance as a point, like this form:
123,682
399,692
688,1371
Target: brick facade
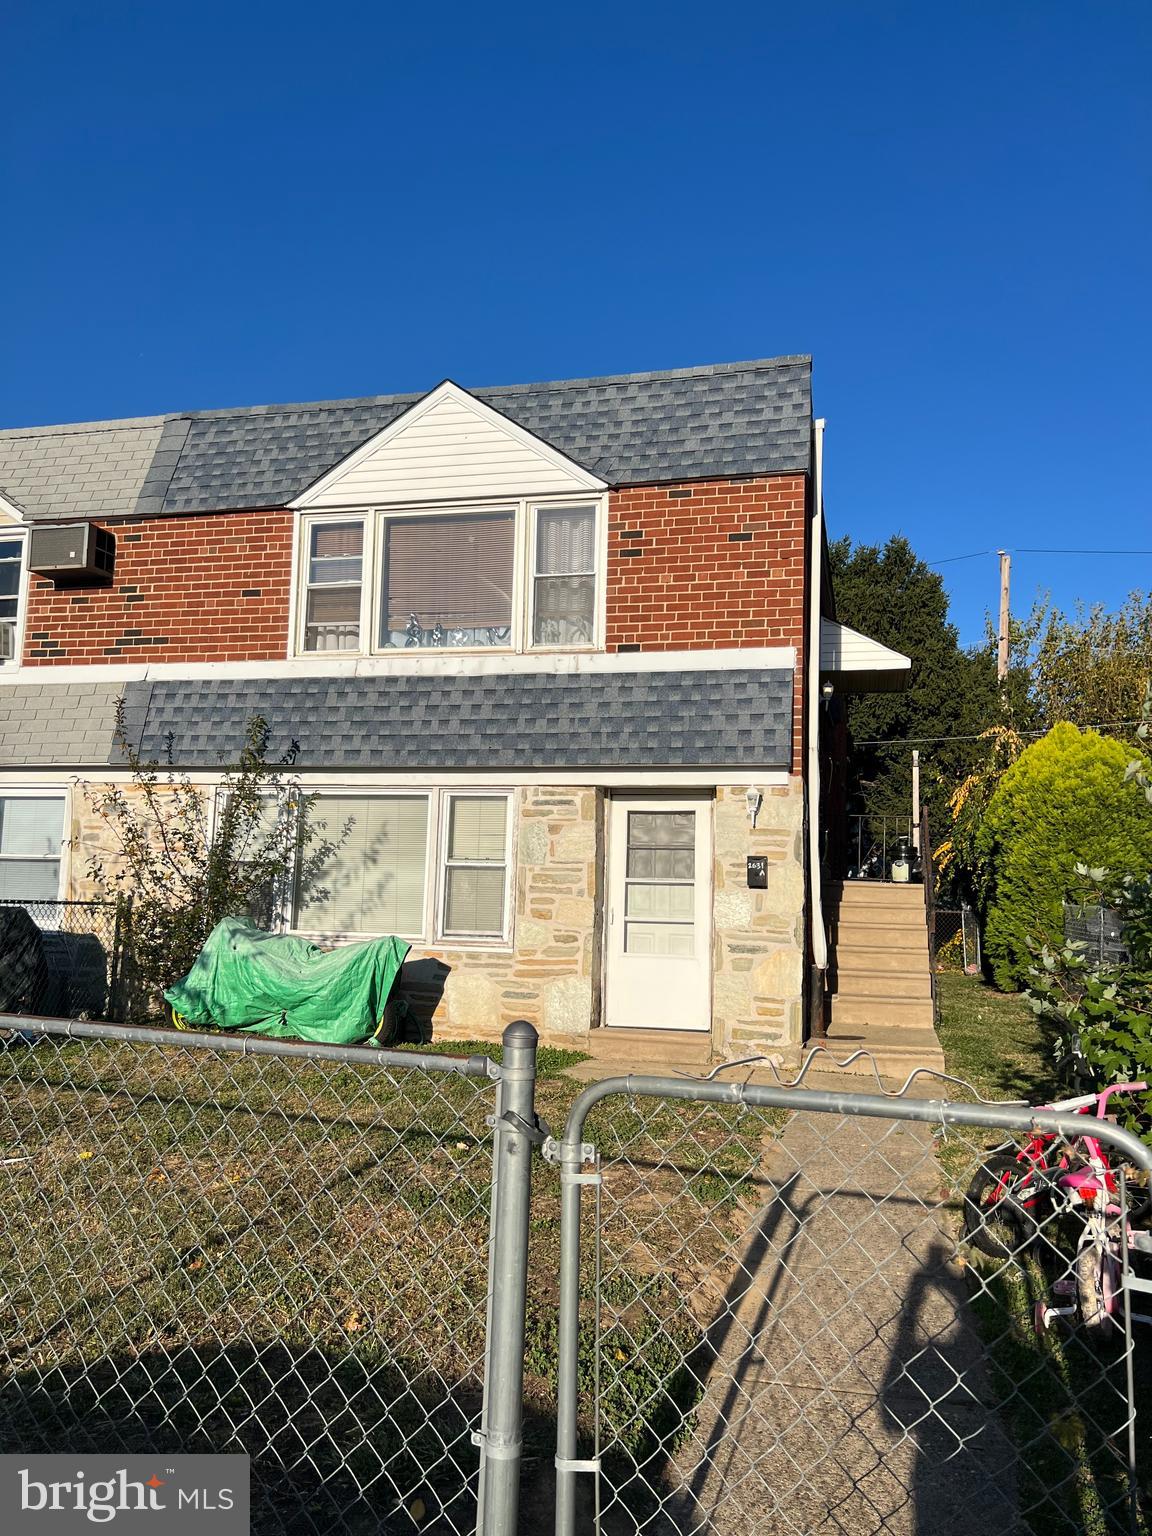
204,588
705,566
702,566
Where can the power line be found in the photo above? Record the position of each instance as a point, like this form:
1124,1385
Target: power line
923,741
980,553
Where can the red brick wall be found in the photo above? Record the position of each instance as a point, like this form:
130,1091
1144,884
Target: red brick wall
700,566
211,588
717,563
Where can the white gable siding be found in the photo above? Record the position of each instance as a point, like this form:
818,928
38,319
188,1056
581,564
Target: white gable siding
454,448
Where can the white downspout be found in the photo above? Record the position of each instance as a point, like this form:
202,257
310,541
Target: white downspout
812,713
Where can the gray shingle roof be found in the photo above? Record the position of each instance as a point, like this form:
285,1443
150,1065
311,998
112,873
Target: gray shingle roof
90,469
519,721
630,429
523,721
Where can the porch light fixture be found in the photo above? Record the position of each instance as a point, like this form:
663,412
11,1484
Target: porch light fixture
753,799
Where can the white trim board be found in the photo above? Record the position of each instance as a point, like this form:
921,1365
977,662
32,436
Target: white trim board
446,445
368,778
429,663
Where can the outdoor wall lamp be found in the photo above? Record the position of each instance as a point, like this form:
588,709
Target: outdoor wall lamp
753,799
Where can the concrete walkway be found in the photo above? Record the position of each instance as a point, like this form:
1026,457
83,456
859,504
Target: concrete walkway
845,1381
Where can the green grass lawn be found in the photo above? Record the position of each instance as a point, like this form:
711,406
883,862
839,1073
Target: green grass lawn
993,1040
288,1257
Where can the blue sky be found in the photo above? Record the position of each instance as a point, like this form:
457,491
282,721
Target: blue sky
947,205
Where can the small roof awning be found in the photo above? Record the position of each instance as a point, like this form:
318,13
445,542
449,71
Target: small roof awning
854,663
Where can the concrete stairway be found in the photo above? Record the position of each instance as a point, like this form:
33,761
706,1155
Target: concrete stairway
880,979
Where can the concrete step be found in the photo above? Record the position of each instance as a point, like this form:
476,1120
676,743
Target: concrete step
870,923
853,982
896,1051
901,958
676,1047
868,893
886,1012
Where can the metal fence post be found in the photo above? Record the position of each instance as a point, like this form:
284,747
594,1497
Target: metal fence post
501,1437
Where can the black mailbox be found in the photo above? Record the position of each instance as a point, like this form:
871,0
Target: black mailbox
757,873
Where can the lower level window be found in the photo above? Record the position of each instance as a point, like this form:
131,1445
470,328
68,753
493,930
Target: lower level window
385,876
31,837
374,883
475,865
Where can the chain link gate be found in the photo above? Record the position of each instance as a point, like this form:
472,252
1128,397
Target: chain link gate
774,1321
301,1252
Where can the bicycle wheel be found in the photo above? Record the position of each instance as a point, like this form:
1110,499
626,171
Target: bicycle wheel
1002,1207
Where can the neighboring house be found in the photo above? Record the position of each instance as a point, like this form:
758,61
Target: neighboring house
549,647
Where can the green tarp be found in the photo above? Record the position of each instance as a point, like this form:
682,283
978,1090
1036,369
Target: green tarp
276,984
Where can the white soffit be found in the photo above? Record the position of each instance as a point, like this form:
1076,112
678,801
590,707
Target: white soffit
448,447
859,662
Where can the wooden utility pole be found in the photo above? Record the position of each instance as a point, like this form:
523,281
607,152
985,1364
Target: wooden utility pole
1005,575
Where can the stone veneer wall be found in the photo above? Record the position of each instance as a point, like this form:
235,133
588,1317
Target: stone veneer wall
548,976
759,937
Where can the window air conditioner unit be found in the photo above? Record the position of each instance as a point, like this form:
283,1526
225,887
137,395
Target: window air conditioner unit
78,554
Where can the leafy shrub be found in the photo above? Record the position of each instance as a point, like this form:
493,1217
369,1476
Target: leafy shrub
1066,800
187,855
1102,1013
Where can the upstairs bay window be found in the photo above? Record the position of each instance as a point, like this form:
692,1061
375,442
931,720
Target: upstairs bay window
507,578
447,581
564,580
334,586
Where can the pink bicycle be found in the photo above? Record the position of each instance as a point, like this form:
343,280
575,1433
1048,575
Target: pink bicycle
1013,1198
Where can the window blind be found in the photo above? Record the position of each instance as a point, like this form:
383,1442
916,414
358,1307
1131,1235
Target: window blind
375,881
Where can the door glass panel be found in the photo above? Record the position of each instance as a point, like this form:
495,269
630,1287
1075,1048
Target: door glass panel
659,884
661,829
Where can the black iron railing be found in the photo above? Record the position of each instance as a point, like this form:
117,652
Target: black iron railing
880,847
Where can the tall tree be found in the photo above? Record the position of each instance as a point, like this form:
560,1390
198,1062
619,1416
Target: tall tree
1090,667
952,697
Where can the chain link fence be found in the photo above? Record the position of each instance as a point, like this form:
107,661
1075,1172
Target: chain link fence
219,1244
708,1307
64,959
1098,930
955,940
817,1331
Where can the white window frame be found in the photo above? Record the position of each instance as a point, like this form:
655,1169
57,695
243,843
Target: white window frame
302,586
62,859
438,804
447,797
374,519
599,574
19,536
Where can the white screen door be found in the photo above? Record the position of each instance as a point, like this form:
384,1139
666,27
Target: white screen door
659,944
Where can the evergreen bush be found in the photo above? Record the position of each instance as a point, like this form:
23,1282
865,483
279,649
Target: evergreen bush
1066,800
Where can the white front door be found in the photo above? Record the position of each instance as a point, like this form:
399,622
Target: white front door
659,948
